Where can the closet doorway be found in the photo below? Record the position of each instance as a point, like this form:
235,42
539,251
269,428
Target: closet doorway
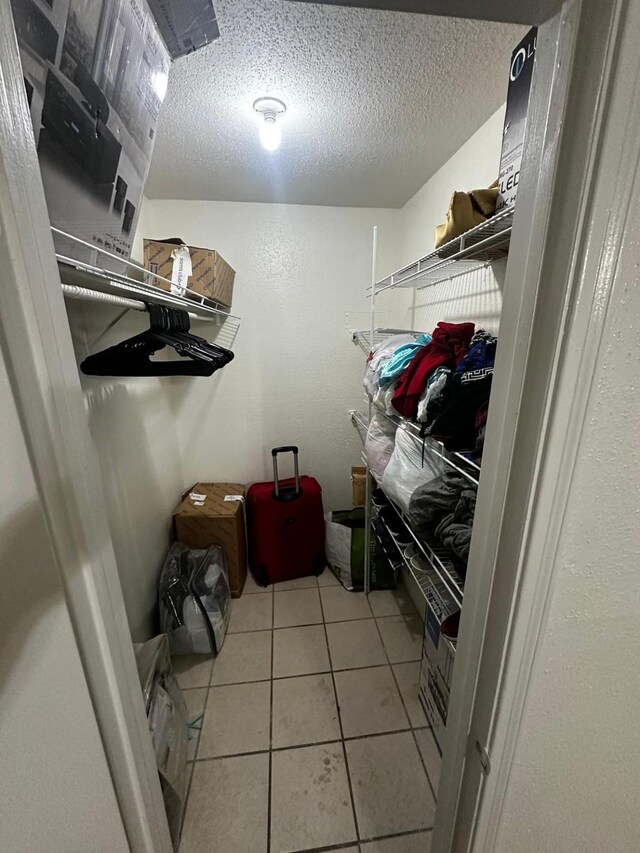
356,705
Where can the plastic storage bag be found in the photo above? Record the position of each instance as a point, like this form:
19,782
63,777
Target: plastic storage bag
409,468
379,444
194,599
378,357
168,723
345,546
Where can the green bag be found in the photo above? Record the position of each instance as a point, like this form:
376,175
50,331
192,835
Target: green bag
345,547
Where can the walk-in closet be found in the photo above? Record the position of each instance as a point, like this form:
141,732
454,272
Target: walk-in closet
319,498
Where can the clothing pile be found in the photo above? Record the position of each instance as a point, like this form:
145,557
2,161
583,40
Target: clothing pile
442,381
464,411
444,508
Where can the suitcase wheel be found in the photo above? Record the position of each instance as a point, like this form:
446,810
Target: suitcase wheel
263,575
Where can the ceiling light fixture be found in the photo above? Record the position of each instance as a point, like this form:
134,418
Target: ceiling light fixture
270,109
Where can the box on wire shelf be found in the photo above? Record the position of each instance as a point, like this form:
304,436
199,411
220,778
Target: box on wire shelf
203,271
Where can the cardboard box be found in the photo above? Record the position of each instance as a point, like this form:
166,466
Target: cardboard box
204,271
186,25
96,74
358,485
213,514
515,119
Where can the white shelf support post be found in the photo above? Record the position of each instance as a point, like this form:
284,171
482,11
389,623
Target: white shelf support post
367,500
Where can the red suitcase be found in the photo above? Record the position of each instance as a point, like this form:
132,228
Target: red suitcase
286,526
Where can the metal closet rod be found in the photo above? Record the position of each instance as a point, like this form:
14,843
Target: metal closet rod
72,291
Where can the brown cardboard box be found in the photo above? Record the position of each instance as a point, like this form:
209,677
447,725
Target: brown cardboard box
211,275
358,485
205,518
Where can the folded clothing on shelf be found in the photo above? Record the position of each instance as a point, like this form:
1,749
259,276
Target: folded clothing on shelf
401,358
454,531
434,396
449,344
445,508
431,501
481,356
456,426
464,411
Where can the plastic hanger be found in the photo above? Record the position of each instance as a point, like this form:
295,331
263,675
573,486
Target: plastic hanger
168,327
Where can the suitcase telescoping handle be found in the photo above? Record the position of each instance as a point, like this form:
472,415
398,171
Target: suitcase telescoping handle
286,494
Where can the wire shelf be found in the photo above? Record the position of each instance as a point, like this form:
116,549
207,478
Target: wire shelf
438,557
83,278
434,591
469,469
362,337
474,249
359,420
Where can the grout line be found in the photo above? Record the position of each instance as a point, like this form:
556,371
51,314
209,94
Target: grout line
231,755
304,745
405,834
270,786
313,624
195,757
348,845
424,762
344,749
413,734
304,674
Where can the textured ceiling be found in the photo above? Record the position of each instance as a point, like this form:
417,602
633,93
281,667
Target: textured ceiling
376,103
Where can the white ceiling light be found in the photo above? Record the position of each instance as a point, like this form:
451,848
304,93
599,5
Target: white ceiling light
270,110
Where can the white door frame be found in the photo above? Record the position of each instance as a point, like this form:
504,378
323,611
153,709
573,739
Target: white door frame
37,348
583,144
547,273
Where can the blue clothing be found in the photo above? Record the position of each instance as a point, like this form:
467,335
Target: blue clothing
481,357
401,358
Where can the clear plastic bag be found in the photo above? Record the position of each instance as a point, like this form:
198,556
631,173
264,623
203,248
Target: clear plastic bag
194,599
379,443
378,357
409,468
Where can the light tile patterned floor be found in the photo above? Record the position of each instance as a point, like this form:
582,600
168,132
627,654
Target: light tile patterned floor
312,736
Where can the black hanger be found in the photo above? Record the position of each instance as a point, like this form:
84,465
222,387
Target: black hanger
168,327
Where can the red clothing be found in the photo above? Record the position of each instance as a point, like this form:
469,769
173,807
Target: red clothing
450,343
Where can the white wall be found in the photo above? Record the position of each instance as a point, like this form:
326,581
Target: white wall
57,794
302,273
134,432
477,296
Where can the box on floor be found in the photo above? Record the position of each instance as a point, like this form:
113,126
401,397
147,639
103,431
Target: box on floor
213,514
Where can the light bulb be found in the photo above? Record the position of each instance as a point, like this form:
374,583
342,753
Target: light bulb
159,81
270,135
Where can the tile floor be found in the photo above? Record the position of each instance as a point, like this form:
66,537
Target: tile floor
308,734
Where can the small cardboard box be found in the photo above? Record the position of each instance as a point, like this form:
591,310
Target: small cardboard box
358,485
204,271
213,514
